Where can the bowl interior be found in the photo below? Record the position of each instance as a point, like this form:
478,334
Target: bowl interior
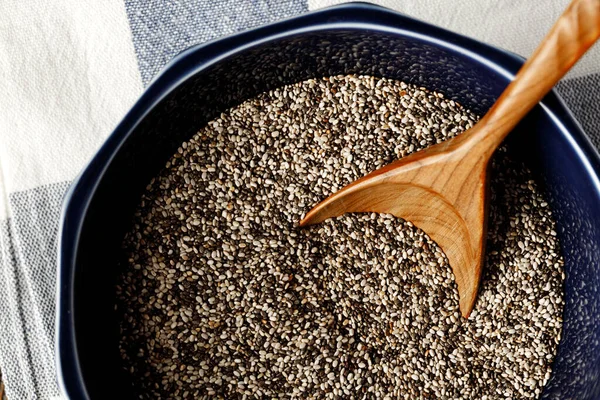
542,142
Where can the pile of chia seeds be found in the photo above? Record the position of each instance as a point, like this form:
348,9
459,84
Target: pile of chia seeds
223,296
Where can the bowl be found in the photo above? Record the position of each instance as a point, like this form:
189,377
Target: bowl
355,38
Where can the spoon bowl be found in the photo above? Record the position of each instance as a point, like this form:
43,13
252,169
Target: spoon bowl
417,188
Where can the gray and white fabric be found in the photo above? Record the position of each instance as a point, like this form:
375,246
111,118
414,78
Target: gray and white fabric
70,69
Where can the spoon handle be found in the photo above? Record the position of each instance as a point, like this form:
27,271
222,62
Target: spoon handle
574,32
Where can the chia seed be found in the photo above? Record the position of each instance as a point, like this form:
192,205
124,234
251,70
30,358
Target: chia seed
223,296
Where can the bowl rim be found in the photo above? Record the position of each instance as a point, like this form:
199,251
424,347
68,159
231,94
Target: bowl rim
349,16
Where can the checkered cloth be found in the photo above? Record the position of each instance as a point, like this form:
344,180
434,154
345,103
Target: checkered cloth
70,69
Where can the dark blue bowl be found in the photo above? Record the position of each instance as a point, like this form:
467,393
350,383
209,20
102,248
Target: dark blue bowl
355,38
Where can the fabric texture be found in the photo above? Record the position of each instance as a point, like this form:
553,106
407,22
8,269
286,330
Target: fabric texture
69,70
68,73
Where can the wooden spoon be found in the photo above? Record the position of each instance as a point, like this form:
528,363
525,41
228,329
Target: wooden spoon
443,189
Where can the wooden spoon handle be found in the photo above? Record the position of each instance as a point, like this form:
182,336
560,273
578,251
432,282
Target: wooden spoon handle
574,32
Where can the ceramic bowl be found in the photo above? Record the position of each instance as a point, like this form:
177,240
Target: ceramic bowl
355,38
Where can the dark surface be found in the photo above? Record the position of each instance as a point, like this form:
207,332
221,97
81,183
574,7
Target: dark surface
346,39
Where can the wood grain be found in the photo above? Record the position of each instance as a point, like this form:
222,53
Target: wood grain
2,393
443,189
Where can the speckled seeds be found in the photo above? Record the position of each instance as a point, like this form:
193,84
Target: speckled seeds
223,296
